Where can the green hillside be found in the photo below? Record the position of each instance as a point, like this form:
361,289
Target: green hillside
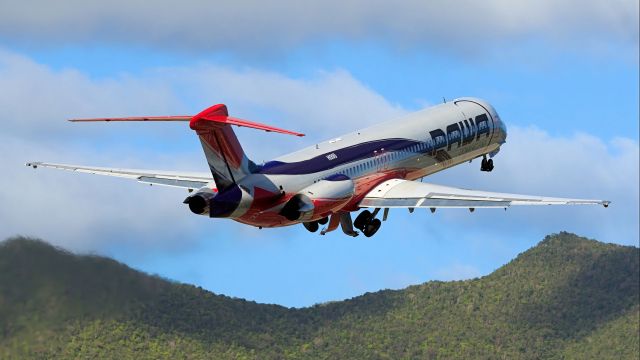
568,297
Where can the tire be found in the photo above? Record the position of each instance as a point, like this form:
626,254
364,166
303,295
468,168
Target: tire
362,220
483,164
323,221
372,228
490,164
311,226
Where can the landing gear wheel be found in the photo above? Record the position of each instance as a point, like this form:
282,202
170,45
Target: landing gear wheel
323,221
486,165
362,220
311,226
372,227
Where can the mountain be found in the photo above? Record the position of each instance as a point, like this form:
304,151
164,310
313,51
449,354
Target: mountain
567,297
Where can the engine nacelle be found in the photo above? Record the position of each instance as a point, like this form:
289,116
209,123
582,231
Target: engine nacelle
199,202
318,200
230,203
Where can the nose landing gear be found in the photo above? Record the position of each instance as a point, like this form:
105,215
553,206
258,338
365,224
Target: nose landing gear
367,222
486,165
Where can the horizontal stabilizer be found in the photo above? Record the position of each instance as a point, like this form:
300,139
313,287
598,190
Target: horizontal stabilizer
218,114
138,118
214,115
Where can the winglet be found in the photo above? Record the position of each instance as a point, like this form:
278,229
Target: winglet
219,114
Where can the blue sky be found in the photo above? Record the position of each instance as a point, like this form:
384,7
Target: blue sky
565,82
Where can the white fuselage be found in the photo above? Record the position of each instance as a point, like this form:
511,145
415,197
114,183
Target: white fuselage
411,147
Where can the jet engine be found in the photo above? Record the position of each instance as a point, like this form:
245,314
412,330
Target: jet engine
318,200
230,203
199,202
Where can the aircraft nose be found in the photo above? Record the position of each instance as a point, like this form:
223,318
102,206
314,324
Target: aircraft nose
502,131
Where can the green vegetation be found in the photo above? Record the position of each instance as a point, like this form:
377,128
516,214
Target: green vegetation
568,297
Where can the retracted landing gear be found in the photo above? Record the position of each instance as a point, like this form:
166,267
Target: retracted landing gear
367,222
486,165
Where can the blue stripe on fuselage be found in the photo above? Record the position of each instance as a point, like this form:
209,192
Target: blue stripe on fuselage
342,156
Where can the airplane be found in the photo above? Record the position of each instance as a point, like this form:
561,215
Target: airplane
372,169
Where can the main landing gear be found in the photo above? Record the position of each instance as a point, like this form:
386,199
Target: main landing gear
367,222
486,165
313,226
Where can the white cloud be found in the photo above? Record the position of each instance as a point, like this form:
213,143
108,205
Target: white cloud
35,100
257,26
321,106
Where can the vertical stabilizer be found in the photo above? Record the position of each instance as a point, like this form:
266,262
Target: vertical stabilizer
227,161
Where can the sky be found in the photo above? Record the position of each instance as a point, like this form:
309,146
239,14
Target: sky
563,75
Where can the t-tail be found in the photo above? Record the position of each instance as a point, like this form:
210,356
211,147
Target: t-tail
226,158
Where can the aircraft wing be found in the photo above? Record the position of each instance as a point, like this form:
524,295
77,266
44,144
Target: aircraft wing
154,177
398,193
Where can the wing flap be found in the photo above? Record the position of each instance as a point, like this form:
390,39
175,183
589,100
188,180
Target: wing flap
156,177
397,193
430,203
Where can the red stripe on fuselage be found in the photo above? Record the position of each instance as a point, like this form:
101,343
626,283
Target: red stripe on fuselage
265,212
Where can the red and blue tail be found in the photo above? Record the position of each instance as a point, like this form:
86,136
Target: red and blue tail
227,160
